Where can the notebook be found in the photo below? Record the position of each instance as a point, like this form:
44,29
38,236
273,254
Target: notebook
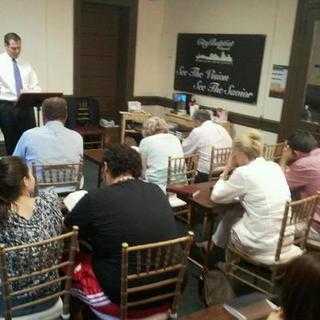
254,306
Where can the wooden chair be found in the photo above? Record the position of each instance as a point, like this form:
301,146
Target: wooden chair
153,266
219,158
313,245
181,170
138,117
65,178
110,136
53,255
273,151
261,273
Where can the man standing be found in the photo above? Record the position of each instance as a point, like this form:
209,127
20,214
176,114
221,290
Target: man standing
206,135
15,77
51,143
301,164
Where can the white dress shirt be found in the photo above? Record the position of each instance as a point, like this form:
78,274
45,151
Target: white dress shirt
155,151
7,81
202,139
263,191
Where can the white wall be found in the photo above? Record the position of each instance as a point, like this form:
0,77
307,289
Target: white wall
274,18
46,29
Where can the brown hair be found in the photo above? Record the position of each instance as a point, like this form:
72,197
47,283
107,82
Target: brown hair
249,143
11,36
12,172
122,159
55,109
301,287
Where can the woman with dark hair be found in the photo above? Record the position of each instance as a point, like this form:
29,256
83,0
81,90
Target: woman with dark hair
300,290
126,209
25,219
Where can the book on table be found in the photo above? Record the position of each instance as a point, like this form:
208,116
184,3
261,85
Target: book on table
254,306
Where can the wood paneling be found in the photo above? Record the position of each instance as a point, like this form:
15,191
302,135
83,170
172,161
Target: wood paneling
307,12
104,45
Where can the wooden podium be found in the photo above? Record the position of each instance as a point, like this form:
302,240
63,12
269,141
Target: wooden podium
33,100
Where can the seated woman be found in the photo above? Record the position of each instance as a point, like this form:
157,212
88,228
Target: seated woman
262,189
125,210
300,289
23,220
155,149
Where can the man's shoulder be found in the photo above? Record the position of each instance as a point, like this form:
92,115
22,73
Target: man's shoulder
310,161
33,132
73,133
3,57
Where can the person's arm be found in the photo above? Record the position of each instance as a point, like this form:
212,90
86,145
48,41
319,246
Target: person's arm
190,144
80,216
143,153
33,83
297,175
225,191
287,155
21,147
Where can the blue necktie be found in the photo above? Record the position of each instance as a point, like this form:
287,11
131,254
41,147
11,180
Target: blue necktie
17,77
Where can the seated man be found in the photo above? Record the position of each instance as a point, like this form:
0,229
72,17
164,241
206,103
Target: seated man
206,135
301,164
51,143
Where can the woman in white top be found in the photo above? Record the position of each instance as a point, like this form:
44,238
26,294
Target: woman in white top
155,149
262,189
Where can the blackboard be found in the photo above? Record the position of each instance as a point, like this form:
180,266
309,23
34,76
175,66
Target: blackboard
226,66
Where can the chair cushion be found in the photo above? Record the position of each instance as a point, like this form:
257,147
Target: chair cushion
294,251
52,313
175,201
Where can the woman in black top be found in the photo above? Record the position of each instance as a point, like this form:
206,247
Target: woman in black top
125,210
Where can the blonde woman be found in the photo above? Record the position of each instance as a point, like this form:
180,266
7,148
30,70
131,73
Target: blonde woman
155,149
262,189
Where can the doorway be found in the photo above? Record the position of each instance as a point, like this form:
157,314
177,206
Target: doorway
104,54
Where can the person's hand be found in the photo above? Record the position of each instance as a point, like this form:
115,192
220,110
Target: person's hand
231,164
287,156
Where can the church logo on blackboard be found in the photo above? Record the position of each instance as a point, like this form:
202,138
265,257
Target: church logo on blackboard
223,66
215,58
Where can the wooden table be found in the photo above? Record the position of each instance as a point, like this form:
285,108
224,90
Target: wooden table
203,202
211,313
95,156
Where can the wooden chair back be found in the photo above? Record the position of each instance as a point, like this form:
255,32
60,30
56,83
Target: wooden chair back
182,169
273,151
53,255
58,176
219,158
110,136
296,223
166,260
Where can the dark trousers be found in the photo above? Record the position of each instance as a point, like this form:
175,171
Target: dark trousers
201,177
13,123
